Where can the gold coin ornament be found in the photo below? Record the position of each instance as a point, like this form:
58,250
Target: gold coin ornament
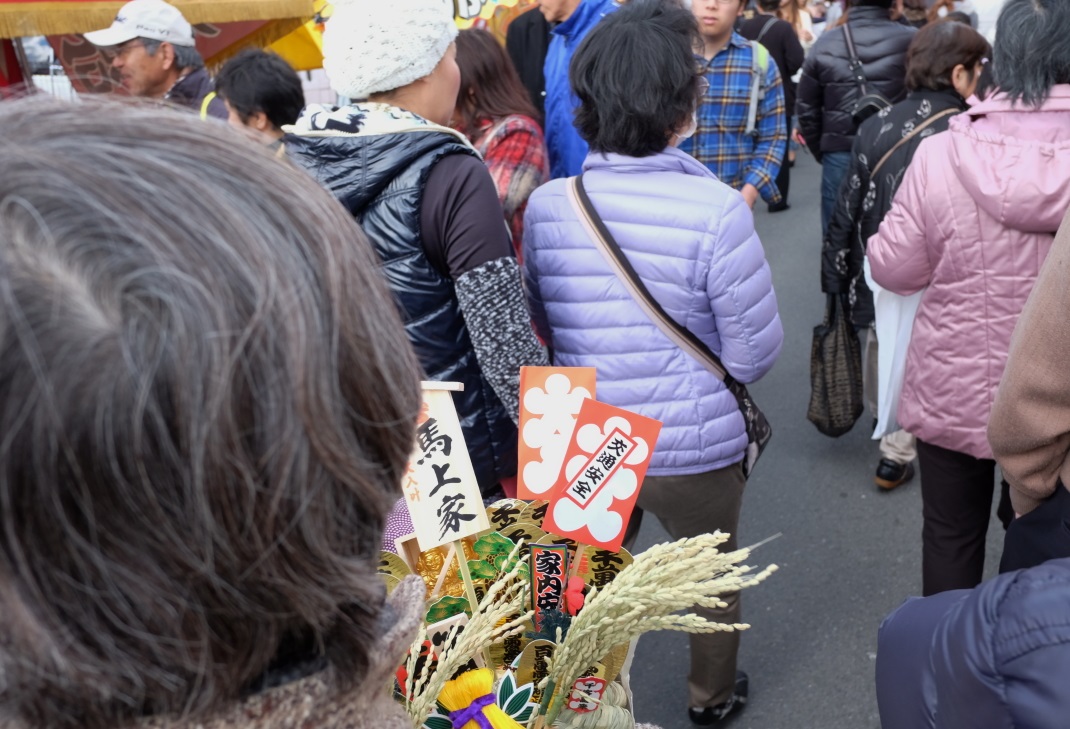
504,513
534,665
392,564
526,531
599,567
572,544
535,512
390,581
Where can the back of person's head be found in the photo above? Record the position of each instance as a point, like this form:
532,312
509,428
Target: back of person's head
207,401
937,49
255,81
958,16
373,47
875,3
636,78
1031,52
490,86
769,6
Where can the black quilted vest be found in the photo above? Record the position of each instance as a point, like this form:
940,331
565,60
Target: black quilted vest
381,179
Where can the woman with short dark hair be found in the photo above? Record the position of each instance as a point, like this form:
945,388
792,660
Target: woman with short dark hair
944,63
971,225
691,240
495,113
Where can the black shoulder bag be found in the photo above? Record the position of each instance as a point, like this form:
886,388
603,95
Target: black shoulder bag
868,103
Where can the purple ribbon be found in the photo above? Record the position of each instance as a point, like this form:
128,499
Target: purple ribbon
474,712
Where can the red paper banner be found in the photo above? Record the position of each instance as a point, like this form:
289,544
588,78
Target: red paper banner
606,461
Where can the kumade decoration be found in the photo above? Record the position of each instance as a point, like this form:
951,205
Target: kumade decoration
440,487
550,401
595,494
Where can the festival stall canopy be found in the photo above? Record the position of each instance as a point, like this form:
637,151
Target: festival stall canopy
63,17
222,28
303,48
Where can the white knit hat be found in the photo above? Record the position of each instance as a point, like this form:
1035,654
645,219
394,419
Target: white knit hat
370,46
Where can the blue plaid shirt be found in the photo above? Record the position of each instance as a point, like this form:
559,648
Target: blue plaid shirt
720,142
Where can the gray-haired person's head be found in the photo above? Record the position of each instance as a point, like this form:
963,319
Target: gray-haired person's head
1031,52
207,400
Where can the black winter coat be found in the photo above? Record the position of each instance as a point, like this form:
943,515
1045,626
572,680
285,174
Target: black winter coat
527,40
783,46
864,201
380,179
828,91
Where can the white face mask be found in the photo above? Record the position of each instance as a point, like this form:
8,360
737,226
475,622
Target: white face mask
689,130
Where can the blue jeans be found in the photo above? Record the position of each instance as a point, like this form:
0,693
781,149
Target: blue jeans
833,169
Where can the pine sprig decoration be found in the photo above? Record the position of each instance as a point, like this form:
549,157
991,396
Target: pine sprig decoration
644,597
505,597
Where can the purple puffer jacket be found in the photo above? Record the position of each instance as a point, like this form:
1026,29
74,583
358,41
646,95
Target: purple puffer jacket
691,239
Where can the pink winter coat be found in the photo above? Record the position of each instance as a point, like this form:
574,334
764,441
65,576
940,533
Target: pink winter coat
972,222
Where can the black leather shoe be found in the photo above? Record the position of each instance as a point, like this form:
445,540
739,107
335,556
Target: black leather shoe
891,474
735,704
779,207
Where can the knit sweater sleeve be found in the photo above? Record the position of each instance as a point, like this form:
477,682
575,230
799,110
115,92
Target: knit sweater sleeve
492,302
1029,430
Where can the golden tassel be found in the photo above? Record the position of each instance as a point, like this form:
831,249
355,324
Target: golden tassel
470,700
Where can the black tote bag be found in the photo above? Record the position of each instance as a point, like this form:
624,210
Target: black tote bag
835,371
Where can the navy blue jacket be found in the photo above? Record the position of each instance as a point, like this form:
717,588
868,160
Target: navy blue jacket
994,657
380,179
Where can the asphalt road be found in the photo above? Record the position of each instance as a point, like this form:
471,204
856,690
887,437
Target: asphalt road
849,553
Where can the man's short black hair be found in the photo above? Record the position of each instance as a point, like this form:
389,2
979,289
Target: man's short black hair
636,78
876,3
769,5
255,80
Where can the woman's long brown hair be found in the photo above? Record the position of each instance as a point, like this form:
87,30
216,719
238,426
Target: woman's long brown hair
490,87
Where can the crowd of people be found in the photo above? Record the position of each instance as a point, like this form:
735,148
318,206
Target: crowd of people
208,402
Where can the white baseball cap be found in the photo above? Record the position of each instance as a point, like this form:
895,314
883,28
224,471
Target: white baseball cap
152,19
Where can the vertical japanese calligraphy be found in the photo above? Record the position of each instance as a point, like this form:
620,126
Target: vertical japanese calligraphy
549,569
439,485
606,461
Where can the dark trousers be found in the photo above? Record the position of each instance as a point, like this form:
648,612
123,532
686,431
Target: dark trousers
783,178
1040,535
833,169
956,496
688,506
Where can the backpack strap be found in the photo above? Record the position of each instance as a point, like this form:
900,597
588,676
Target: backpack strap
759,67
765,28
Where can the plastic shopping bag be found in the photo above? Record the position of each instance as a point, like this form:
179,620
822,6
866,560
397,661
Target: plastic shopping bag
894,324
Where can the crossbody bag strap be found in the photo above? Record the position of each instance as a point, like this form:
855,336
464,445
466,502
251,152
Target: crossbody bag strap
917,130
627,275
857,70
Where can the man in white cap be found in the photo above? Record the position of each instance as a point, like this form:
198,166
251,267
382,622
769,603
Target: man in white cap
156,57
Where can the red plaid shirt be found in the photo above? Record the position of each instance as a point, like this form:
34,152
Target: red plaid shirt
515,153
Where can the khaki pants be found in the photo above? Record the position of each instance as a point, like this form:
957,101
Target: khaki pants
899,446
688,506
